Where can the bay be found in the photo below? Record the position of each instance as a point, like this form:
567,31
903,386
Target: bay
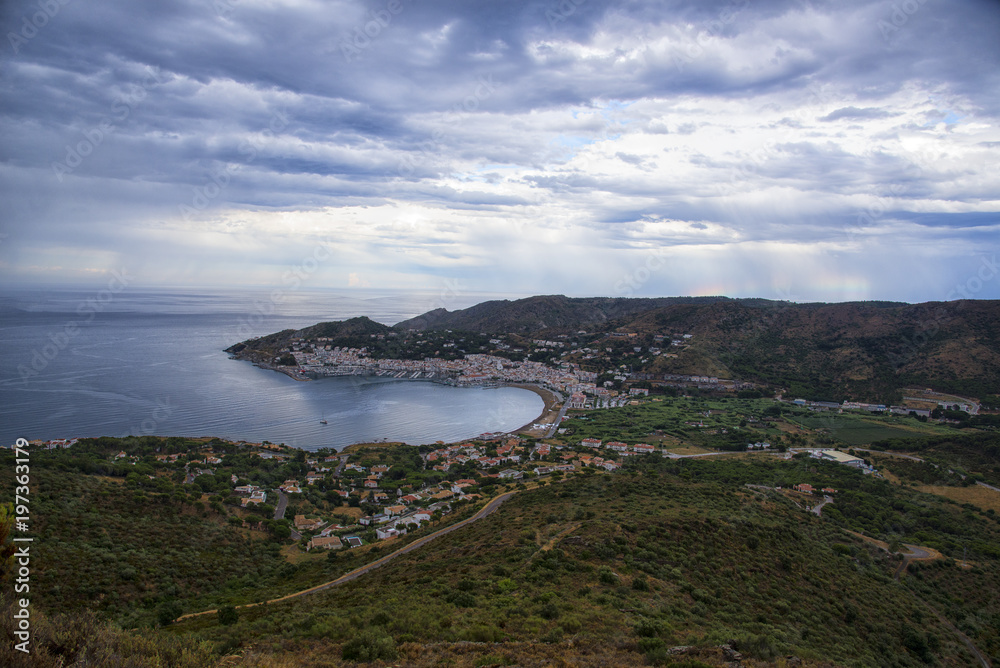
80,364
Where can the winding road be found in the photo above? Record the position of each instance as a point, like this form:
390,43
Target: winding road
818,508
486,510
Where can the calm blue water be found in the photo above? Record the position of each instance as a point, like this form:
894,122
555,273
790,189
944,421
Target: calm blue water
145,362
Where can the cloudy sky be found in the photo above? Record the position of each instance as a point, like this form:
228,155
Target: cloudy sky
798,149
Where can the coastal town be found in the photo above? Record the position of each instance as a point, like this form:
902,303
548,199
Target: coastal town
562,367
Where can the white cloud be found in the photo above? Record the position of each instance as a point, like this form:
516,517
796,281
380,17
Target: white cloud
761,144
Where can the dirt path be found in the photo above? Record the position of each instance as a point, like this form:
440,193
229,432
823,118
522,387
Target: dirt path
488,509
552,543
983,661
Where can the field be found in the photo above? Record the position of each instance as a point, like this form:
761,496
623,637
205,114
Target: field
977,496
692,421
857,430
727,423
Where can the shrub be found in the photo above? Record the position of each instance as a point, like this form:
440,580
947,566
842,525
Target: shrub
462,599
369,646
648,628
168,612
549,611
228,615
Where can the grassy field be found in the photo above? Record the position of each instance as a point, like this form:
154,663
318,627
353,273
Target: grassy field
690,421
857,430
712,422
978,496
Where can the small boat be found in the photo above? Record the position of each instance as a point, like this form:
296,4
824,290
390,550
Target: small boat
322,421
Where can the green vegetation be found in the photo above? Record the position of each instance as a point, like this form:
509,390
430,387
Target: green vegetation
731,423
855,429
619,567
661,561
975,455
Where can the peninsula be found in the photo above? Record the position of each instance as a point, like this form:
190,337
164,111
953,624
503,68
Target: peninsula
600,351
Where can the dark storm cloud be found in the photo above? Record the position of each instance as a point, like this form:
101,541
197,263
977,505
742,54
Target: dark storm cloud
119,114
854,113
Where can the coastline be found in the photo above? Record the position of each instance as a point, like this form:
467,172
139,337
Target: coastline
550,408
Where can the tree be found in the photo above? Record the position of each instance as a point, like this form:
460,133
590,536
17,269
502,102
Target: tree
281,531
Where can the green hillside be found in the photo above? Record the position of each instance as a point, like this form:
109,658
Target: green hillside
597,569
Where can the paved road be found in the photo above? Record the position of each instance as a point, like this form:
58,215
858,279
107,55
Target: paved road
559,418
279,511
818,508
340,466
890,454
983,484
488,509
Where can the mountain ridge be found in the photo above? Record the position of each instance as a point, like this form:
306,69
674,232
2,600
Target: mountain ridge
832,351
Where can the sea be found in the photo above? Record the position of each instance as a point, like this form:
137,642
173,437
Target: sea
87,363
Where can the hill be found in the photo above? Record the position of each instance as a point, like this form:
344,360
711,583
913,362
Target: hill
865,351
355,331
535,315
599,569
819,351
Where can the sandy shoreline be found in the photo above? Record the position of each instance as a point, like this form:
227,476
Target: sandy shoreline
549,412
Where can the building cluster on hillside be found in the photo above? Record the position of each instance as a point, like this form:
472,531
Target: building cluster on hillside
442,459
806,488
845,459
250,495
473,369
